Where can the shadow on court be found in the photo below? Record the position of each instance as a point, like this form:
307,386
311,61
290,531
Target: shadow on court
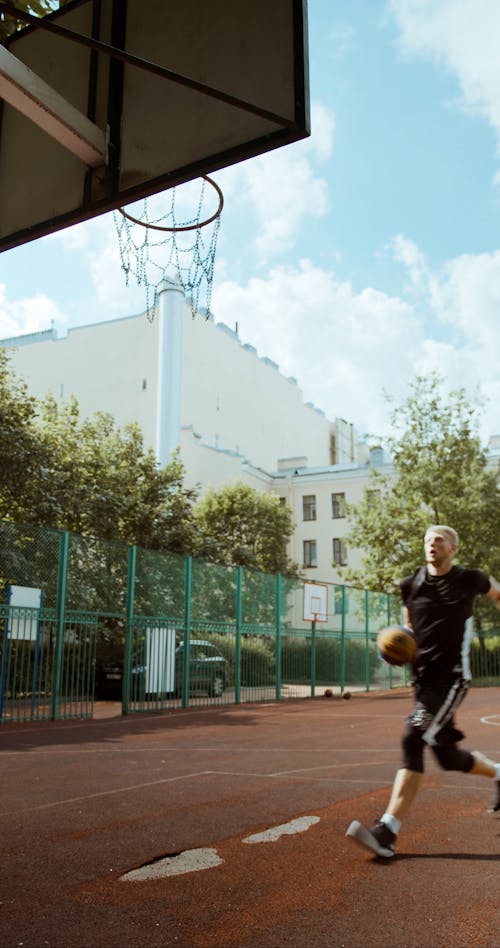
83,803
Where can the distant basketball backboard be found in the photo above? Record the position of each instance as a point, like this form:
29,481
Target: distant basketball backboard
153,93
315,602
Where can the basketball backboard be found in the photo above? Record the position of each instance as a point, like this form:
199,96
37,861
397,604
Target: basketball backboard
166,91
315,602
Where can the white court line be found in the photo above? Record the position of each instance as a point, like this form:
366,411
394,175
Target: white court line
307,770
188,748
104,793
493,719
289,775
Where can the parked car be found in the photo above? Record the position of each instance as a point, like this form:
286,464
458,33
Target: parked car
208,672
207,669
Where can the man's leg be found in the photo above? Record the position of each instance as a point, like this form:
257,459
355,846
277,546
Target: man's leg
450,757
404,790
483,765
381,837
487,768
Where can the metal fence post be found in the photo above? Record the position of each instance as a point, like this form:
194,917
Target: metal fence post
129,628
367,640
62,579
389,621
342,642
188,575
313,659
278,636
237,655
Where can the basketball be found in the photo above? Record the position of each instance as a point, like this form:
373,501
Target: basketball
396,645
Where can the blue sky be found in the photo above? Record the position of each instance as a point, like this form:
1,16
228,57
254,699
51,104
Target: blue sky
356,258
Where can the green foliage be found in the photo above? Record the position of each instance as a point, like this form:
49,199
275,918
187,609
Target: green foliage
238,526
62,472
258,658
441,475
10,24
485,658
86,475
103,482
296,660
21,451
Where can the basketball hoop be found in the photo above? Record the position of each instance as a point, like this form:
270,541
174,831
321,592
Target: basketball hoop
166,246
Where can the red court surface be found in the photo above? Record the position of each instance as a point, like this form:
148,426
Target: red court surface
82,803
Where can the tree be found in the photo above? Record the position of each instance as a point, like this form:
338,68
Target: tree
102,482
10,23
239,526
441,475
21,449
86,475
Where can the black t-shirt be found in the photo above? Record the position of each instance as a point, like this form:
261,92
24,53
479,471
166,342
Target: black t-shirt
439,608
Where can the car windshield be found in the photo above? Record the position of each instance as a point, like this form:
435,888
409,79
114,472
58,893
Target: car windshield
199,650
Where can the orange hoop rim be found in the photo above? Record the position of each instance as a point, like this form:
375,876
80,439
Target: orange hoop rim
184,227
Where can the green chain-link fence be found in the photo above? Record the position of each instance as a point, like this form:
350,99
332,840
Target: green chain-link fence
159,631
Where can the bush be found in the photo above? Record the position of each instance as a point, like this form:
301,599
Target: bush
296,660
485,658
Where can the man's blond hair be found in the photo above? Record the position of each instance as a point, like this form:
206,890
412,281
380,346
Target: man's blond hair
448,531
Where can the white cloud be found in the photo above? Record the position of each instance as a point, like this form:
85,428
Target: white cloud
462,300
281,189
343,347
346,347
461,35
467,295
407,252
33,314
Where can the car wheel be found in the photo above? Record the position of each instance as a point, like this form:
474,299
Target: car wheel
216,687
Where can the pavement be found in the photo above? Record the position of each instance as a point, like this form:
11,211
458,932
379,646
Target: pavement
225,828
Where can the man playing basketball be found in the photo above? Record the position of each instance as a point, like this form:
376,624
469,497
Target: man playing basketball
438,601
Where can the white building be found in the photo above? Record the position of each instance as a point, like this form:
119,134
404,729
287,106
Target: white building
193,383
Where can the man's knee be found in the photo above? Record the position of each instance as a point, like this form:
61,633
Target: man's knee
451,757
413,749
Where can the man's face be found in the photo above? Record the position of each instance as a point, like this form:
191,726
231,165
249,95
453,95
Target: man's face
439,548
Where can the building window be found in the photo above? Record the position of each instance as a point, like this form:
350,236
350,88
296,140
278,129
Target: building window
339,552
309,507
338,506
310,555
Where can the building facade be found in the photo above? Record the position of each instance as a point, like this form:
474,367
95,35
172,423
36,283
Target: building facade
191,383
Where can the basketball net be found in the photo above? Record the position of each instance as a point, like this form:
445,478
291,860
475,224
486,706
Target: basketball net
158,244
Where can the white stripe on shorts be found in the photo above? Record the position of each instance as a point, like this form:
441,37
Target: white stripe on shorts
453,699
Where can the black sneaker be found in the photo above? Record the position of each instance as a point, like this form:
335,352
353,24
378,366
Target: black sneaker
379,838
494,806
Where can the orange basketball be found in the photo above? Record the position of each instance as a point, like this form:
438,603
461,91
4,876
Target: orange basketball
396,645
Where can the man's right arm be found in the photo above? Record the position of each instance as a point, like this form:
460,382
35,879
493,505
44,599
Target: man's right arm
406,618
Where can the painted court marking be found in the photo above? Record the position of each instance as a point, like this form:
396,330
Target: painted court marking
286,829
193,860
493,719
196,860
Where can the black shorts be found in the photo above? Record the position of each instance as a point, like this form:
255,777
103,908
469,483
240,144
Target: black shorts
434,709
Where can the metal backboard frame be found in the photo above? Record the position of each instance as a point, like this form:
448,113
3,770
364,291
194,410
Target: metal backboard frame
178,89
